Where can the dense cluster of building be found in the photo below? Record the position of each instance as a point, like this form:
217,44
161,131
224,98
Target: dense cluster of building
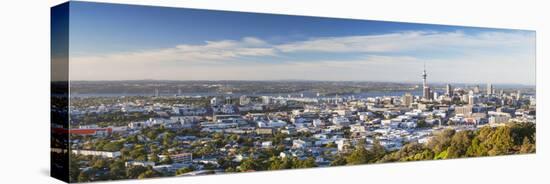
314,127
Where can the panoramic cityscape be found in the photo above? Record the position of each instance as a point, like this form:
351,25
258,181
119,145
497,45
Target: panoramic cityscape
169,133
158,92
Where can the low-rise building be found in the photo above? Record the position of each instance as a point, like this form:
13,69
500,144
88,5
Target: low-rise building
182,158
105,154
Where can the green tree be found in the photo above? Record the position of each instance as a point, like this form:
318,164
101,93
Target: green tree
117,170
459,144
441,155
441,141
139,153
113,146
407,153
378,151
425,155
207,149
306,163
149,173
281,163
359,155
338,161
100,164
275,163
331,145
521,130
154,158
74,168
135,171
476,149
84,177
249,164
501,141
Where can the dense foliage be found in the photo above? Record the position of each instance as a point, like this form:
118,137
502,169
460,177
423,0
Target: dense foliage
514,138
486,141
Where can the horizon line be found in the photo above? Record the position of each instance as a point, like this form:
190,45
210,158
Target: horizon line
296,80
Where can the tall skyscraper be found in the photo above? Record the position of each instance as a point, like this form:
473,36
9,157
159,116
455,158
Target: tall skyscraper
266,100
465,98
407,99
435,95
426,92
472,100
489,89
449,90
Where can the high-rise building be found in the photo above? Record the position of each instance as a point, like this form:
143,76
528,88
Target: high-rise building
157,92
464,110
407,99
449,90
229,100
518,95
489,89
266,100
472,100
465,98
426,92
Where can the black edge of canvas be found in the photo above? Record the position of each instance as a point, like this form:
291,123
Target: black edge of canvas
59,94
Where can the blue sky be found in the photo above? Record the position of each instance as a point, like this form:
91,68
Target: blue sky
121,42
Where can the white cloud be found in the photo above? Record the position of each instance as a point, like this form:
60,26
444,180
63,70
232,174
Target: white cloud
209,51
410,41
476,57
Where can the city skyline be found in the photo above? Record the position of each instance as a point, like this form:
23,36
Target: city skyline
170,45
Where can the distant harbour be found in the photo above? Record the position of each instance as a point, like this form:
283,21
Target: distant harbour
306,94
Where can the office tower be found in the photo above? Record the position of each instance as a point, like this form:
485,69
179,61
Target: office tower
472,100
490,89
435,95
407,99
465,98
266,100
449,90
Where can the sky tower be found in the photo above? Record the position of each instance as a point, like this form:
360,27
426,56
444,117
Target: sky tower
426,92
424,75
